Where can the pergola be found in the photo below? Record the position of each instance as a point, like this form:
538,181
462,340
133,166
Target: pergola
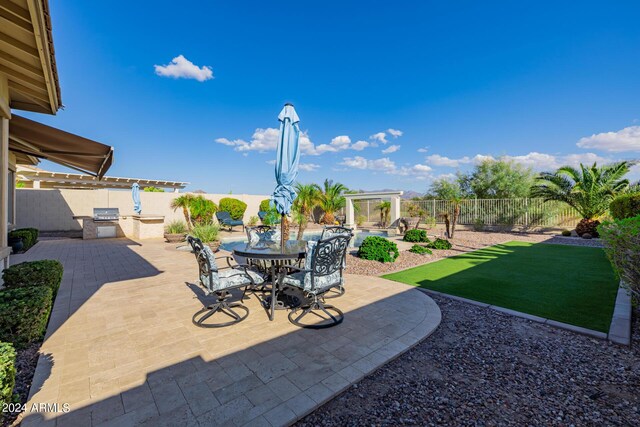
42,179
393,196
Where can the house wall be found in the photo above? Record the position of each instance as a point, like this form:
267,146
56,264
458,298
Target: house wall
54,210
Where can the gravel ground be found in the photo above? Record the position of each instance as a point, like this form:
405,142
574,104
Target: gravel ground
481,367
464,241
26,360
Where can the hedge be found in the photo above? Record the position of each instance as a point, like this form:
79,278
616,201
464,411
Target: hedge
625,206
47,272
7,372
264,205
378,248
235,207
29,236
24,313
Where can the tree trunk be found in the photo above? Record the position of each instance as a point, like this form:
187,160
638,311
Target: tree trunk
454,221
302,226
446,223
187,217
286,228
328,218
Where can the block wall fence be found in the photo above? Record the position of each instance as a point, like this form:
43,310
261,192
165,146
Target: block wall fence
53,210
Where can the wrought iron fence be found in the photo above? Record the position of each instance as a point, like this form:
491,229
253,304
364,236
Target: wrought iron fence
497,212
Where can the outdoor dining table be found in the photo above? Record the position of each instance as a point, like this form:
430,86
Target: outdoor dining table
275,254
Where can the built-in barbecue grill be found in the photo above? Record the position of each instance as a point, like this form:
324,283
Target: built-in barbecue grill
106,214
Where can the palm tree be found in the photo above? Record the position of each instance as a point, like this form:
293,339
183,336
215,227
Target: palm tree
303,205
588,190
385,209
330,200
184,202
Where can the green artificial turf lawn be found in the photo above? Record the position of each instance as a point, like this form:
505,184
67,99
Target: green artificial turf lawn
570,284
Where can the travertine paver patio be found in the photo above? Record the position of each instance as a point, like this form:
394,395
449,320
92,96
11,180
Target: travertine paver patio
121,349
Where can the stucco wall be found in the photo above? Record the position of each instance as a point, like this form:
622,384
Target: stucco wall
53,210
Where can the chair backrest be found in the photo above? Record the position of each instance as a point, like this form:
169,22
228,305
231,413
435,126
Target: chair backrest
262,214
207,267
259,232
335,230
327,260
223,216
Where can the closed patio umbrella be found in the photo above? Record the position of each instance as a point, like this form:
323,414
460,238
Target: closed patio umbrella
135,193
288,157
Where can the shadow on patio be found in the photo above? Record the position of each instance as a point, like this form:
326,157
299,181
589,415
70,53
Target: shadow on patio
130,354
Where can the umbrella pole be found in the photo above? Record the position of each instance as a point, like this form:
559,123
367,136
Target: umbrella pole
282,232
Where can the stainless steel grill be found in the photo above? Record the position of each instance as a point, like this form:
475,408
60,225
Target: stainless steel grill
106,214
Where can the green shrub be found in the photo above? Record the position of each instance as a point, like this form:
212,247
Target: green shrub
478,224
29,236
7,372
253,221
206,232
153,190
360,219
440,244
566,233
265,205
378,248
202,210
625,206
622,245
272,217
235,207
422,250
24,313
176,227
46,272
416,235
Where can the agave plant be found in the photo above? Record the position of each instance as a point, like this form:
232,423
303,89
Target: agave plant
306,200
588,190
330,199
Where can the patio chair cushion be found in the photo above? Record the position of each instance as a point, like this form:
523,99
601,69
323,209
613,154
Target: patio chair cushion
225,219
226,279
302,279
272,235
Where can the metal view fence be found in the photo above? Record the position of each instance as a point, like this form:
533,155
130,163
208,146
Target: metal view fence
494,212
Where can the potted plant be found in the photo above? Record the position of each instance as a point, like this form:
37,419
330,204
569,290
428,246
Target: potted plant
208,233
175,231
16,243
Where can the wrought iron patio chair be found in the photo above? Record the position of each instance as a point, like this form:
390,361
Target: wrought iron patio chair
221,282
225,220
322,272
330,231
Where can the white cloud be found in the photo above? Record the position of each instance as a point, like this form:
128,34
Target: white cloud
360,145
627,139
264,140
438,160
359,162
394,132
634,173
535,160
271,162
380,137
422,150
341,142
309,167
391,149
181,68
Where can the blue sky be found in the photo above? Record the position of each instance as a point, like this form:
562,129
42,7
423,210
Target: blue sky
545,83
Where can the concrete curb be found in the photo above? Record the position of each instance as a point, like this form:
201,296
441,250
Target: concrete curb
550,322
620,329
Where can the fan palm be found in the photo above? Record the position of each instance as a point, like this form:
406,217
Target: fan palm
385,208
330,199
306,200
184,202
588,189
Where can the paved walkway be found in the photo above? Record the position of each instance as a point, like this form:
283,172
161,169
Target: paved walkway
121,349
